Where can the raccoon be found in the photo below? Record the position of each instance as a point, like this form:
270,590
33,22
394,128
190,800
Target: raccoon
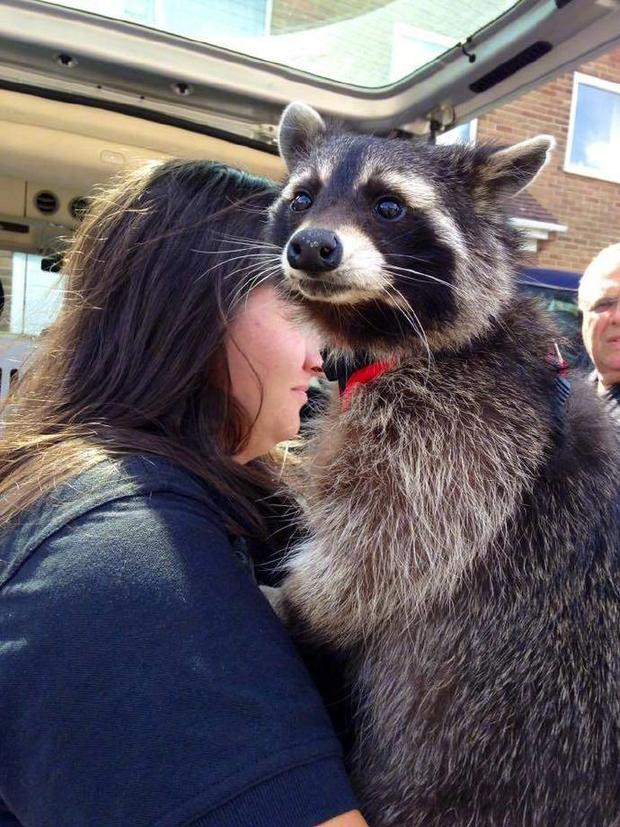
463,516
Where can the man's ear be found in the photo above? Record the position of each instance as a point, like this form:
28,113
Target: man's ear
300,127
506,172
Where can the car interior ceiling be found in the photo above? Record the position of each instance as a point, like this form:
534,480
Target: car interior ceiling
65,149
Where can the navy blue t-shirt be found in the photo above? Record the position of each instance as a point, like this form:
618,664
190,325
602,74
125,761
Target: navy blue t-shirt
144,678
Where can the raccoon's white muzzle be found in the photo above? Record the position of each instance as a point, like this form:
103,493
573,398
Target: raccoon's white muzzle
341,267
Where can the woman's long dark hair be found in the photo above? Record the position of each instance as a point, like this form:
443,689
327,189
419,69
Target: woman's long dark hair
135,362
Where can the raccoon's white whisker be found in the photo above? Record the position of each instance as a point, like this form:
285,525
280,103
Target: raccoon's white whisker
245,205
352,308
243,247
406,311
247,275
400,271
406,255
408,232
253,257
413,280
270,270
250,210
236,250
249,267
411,270
422,260
402,330
225,262
250,241
422,334
255,261
267,262
245,289
414,320
239,245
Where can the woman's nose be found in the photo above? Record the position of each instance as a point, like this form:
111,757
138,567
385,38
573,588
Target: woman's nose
314,361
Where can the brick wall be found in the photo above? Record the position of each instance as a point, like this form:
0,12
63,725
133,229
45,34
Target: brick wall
589,207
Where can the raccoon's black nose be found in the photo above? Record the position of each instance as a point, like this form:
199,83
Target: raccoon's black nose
314,251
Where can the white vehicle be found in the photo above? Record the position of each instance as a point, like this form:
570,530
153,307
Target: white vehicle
88,87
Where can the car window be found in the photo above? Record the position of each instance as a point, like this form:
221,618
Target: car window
32,293
368,44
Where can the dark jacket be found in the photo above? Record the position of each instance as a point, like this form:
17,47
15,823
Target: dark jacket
611,397
144,679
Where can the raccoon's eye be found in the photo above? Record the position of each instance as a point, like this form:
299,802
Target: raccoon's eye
389,208
301,201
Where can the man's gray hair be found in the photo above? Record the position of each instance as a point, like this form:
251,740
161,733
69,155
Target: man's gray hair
604,264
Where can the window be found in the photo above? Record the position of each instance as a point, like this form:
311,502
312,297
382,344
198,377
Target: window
464,133
32,299
194,19
365,43
594,129
413,47
32,295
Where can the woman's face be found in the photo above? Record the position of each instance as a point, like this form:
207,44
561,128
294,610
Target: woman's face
271,359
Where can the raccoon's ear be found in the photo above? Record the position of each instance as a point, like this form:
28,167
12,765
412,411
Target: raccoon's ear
507,171
300,127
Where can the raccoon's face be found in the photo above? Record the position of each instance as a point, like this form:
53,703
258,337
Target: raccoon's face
389,244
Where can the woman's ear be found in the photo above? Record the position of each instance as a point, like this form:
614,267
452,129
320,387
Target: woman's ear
300,127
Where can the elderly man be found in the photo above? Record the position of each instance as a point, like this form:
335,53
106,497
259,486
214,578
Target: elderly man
599,301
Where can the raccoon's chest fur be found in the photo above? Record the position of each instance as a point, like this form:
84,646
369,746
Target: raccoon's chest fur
408,488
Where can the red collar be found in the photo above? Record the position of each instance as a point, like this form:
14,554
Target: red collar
362,377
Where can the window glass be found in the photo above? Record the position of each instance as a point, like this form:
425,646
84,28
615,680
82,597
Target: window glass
465,133
413,47
595,135
32,295
368,43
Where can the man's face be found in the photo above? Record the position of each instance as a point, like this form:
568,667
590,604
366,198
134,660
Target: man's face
601,326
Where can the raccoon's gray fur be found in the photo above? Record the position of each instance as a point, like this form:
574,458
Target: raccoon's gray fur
464,545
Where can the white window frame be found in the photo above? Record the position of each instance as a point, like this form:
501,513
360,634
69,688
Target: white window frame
443,137
586,80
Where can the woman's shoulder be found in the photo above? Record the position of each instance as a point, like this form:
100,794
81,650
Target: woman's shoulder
121,486
136,475
137,621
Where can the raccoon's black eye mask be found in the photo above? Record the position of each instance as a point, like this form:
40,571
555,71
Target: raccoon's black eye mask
386,207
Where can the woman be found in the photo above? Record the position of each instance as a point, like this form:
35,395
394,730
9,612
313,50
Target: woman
144,679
